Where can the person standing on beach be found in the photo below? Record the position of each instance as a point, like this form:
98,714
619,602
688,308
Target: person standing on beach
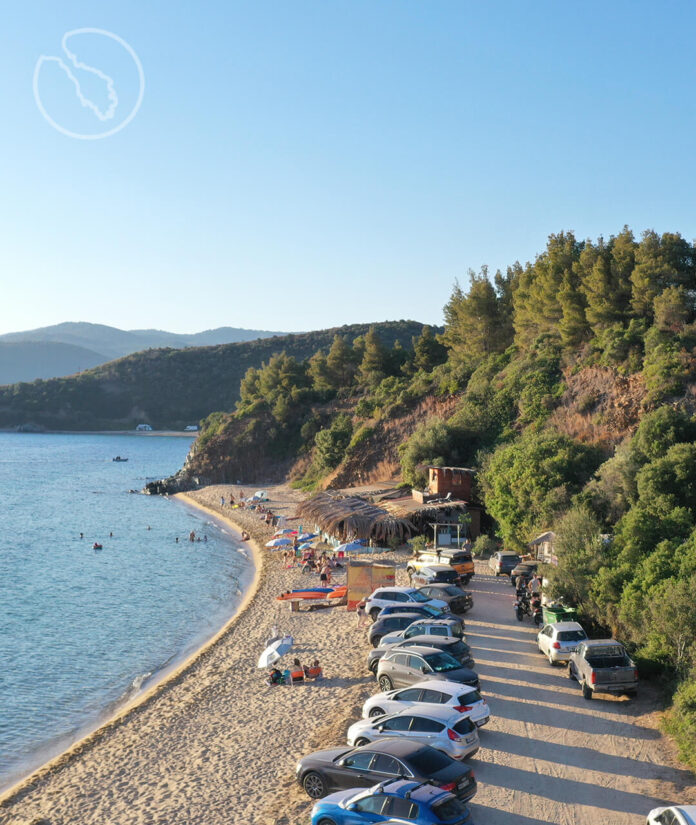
222,501
361,613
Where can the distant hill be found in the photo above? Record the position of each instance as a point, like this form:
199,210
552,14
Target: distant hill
167,388
28,360
105,343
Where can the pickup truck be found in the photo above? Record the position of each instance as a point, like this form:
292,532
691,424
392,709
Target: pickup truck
603,666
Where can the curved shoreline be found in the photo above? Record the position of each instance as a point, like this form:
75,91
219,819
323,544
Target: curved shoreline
32,781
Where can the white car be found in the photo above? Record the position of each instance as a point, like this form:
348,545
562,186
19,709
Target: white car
443,628
398,597
557,641
441,727
676,815
428,694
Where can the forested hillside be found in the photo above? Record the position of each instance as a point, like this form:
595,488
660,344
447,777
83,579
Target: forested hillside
167,388
572,387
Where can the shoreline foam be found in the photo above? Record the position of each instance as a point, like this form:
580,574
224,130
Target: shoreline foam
169,675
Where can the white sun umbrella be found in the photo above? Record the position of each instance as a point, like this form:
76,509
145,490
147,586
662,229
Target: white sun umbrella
275,650
278,543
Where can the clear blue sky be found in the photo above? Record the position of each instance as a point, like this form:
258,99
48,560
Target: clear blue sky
296,165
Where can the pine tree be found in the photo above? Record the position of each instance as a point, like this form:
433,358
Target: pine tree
319,372
651,274
573,324
373,367
340,363
428,352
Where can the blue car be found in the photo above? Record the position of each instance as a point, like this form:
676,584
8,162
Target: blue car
399,799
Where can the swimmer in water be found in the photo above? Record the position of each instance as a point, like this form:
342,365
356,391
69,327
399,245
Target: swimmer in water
82,535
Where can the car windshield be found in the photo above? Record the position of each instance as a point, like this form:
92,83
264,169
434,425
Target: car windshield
571,635
469,698
427,761
441,662
431,611
451,590
458,649
417,596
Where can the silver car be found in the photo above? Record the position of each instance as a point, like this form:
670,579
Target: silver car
401,667
557,641
440,727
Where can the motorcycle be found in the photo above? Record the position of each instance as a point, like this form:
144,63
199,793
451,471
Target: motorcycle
527,604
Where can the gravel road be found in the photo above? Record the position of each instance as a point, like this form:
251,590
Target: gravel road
548,755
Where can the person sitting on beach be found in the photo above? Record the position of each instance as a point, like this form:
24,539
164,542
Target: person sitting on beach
314,670
245,535
297,674
275,677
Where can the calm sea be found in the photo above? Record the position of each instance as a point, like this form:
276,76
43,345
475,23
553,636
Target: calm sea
83,630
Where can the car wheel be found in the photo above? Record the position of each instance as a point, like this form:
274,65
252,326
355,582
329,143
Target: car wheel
586,691
326,822
372,667
361,741
552,661
376,712
385,683
375,642
314,785
497,574
571,675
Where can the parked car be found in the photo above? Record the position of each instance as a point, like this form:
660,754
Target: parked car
456,558
337,769
397,596
400,800
439,726
450,644
603,666
426,611
523,572
401,668
558,641
458,600
427,627
434,574
393,623
465,700
675,815
503,562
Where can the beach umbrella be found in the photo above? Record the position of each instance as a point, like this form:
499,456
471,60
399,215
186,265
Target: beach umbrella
306,546
278,543
288,531
358,544
307,536
275,650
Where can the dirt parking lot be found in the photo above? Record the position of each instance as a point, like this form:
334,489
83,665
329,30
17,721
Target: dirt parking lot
548,755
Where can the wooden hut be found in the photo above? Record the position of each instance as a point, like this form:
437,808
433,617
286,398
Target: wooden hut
350,517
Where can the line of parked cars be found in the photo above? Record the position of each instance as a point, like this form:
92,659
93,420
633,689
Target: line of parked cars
403,759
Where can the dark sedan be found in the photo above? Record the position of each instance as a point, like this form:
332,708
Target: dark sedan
338,769
458,600
390,624
425,611
455,647
523,571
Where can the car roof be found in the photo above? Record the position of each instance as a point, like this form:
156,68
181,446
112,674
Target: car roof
422,649
406,613
507,553
566,626
438,622
437,568
423,793
601,642
427,640
444,685
442,713
395,588
395,746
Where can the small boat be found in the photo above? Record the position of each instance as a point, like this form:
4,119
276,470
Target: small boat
118,458
337,592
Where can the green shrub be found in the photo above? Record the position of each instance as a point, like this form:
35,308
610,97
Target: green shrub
680,721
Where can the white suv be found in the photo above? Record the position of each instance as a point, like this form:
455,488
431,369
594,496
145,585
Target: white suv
398,597
465,700
558,641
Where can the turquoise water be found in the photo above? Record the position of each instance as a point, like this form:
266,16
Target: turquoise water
82,630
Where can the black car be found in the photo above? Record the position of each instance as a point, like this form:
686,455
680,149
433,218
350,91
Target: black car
325,772
523,571
458,600
390,624
435,574
425,611
455,647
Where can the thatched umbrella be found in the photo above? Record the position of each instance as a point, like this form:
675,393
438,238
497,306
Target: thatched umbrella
352,517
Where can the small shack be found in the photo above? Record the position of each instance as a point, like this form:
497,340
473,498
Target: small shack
543,549
351,517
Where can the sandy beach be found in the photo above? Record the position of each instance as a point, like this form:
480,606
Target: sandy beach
212,742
